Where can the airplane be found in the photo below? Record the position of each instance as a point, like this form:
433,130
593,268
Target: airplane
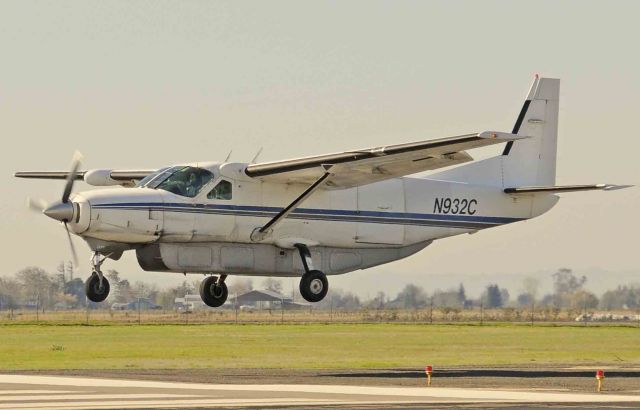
314,216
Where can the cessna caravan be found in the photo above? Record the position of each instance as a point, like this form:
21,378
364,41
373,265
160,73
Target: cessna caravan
314,216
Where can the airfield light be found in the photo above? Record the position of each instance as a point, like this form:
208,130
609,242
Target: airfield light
428,370
600,378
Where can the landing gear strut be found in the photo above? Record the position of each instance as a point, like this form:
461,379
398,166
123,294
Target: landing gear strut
313,284
213,290
97,286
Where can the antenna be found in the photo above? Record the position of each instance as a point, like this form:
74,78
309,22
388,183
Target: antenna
255,157
228,156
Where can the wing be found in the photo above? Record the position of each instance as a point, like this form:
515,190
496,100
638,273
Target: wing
364,166
99,177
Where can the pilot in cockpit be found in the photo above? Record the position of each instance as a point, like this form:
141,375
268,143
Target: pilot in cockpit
192,186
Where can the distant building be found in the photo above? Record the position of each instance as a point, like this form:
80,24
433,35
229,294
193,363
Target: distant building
189,303
252,300
265,299
145,304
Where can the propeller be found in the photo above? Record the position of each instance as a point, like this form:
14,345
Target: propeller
74,254
63,210
38,205
71,176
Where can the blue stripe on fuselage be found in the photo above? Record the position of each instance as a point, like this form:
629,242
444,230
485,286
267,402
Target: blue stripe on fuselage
399,218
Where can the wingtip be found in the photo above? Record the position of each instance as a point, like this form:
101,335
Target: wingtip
612,187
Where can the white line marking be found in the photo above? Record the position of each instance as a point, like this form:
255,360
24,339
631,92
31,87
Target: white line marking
94,397
3,392
164,404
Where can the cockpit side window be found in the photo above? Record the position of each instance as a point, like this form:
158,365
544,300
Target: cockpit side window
185,181
222,190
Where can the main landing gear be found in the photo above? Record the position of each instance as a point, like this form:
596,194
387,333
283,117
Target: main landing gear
97,286
313,284
213,290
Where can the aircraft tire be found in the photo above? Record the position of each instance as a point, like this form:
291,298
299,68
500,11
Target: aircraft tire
213,294
92,288
314,286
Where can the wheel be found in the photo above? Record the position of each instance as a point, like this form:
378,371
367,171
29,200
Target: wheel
314,286
213,294
94,291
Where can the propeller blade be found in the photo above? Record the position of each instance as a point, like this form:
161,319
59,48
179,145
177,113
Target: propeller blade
71,177
38,205
73,248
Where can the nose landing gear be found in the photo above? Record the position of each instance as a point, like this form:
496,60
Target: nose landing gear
313,284
97,286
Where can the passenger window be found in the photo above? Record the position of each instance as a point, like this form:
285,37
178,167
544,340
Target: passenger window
221,191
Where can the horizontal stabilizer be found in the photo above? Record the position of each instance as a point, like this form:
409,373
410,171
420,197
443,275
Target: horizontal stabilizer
564,188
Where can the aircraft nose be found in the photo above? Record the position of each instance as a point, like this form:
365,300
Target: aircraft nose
61,211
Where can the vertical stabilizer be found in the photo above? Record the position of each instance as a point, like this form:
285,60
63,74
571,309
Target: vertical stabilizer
532,161
526,162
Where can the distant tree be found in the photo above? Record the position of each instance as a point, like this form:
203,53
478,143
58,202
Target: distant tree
10,293
240,286
66,300
166,297
378,301
272,284
548,300
412,297
449,298
70,270
75,288
38,286
61,275
493,296
623,297
184,289
113,276
565,282
566,285
525,300
583,299
121,291
462,296
504,296
143,290
530,286
342,300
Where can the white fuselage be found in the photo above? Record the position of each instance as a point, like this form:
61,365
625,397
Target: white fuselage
347,229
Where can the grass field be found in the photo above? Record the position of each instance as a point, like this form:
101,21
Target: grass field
337,346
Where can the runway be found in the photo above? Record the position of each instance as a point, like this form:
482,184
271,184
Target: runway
60,392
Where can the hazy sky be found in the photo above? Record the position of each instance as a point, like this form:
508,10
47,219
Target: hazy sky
142,84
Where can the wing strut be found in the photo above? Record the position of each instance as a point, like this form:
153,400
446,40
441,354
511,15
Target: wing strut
260,234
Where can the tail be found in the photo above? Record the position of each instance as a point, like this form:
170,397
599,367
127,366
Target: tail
530,161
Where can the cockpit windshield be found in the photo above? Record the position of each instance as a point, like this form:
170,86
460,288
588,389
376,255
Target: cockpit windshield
180,180
145,181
